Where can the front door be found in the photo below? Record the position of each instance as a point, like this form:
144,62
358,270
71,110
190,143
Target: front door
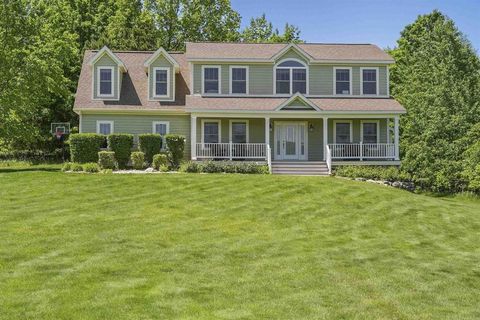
290,140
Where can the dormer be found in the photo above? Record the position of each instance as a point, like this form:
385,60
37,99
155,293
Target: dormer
107,71
161,68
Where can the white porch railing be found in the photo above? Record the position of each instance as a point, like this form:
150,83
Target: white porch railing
362,150
231,151
328,158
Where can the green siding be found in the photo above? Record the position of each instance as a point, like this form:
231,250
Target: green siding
106,61
161,61
256,129
138,124
357,130
261,78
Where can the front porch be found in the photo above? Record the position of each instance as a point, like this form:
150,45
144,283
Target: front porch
334,140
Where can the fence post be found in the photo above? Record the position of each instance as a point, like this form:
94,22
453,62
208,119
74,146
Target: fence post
230,149
361,150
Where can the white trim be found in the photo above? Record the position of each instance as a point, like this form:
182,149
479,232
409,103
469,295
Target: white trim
247,79
388,81
191,66
335,81
270,61
388,129
377,122
111,123
166,123
295,96
246,125
112,70
106,50
276,124
275,67
80,122
294,47
154,84
167,56
219,128
193,137
286,95
377,81
335,129
366,163
219,79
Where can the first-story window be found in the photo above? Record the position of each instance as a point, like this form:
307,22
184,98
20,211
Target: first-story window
211,79
105,81
211,131
343,132
239,81
342,80
369,81
161,81
370,132
239,131
162,128
104,127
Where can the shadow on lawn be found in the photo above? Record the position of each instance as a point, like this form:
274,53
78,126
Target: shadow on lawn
29,169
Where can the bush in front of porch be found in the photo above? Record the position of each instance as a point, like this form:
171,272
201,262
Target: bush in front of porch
210,166
373,172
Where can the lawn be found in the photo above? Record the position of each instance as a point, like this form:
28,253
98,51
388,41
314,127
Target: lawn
187,246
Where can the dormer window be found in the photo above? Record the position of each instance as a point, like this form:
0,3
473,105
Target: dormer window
210,79
105,82
161,81
290,77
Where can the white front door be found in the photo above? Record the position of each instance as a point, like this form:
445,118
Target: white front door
290,140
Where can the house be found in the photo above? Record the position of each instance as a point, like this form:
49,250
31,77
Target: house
317,104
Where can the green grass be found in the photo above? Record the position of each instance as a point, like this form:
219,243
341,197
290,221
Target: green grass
186,246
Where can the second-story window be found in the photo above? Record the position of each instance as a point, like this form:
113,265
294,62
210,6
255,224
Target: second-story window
369,80
211,79
290,77
343,80
238,78
105,81
161,81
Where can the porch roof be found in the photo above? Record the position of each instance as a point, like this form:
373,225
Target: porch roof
268,104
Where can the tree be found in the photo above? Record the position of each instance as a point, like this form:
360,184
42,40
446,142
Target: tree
261,30
436,77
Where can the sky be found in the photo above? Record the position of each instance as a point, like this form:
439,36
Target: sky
359,21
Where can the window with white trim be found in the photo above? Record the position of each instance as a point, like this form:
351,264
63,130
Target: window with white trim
290,77
211,131
238,78
162,128
369,132
239,131
369,81
342,81
104,127
343,133
211,80
161,78
105,81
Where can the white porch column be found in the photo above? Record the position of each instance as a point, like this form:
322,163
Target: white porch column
193,136
267,130
397,138
325,137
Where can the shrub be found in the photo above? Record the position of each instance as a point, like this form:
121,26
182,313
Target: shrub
163,168
150,144
121,144
471,167
160,159
106,160
77,167
138,160
372,172
91,167
190,166
210,166
34,156
84,147
67,166
176,146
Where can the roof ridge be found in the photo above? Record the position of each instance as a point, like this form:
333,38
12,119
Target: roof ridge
136,51
284,43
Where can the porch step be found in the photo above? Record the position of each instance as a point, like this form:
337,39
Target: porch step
310,168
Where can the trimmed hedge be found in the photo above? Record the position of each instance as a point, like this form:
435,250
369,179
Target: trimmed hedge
121,144
150,144
138,160
106,160
159,160
34,156
90,167
84,147
372,172
176,146
224,167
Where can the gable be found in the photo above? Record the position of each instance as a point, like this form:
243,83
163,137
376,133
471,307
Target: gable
297,104
292,54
